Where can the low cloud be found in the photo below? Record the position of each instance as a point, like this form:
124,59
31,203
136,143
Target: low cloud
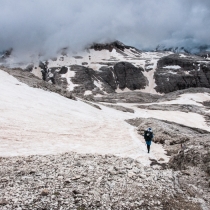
45,26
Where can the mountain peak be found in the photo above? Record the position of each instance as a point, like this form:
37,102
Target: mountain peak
108,46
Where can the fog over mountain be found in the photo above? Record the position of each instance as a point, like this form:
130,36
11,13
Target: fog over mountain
39,26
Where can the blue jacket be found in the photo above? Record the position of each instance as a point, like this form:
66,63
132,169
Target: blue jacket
148,136
148,142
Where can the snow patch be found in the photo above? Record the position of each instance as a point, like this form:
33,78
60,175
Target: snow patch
172,72
188,98
68,77
98,84
87,92
172,67
182,56
95,66
150,88
189,119
118,90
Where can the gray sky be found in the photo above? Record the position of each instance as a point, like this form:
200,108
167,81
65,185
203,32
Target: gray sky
44,26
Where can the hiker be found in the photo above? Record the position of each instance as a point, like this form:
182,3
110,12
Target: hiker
148,136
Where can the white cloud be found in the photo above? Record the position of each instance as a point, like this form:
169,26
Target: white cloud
48,25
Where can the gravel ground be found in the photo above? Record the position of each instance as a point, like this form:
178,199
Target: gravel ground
73,181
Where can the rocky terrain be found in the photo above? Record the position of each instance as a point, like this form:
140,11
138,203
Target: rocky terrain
188,148
73,181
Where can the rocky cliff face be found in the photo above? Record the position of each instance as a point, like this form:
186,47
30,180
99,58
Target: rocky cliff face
173,72
129,76
122,75
176,73
107,68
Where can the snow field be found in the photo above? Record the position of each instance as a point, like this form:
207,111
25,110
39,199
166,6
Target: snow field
34,121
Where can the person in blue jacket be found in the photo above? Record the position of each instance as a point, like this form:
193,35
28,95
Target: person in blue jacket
148,136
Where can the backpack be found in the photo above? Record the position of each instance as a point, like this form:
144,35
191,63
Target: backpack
148,135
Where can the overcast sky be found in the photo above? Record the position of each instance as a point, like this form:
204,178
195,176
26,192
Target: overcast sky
44,26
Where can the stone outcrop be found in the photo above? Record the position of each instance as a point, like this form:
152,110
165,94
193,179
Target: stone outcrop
194,71
174,107
128,97
168,133
122,75
108,76
128,76
169,129
83,79
188,148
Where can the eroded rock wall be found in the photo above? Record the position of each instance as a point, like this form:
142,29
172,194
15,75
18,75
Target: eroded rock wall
193,72
128,76
106,79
